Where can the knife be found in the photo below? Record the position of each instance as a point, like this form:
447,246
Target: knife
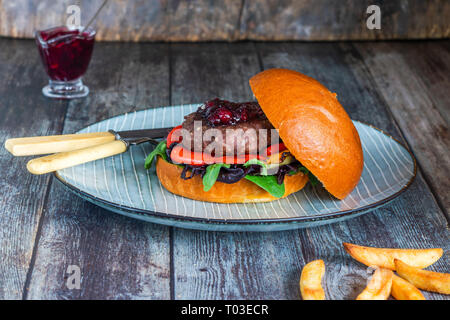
74,149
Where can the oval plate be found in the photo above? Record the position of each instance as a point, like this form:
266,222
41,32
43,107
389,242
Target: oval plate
122,185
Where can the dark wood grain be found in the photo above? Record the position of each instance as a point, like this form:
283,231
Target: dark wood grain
343,20
229,20
412,220
24,111
216,265
119,258
137,20
45,228
417,93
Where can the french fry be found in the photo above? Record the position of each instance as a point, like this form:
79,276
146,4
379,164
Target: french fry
310,281
403,290
379,286
384,258
423,279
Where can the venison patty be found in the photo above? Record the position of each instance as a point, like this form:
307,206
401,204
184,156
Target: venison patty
235,128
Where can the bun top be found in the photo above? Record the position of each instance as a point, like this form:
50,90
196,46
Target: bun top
313,125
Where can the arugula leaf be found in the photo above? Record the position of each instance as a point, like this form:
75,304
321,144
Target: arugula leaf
212,172
268,183
312,178
160,150
259,163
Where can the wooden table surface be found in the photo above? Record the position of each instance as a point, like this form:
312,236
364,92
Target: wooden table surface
399,87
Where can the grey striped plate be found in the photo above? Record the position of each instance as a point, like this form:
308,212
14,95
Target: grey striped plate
122,185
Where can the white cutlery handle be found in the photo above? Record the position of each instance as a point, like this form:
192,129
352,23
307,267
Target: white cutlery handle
68,159
51,144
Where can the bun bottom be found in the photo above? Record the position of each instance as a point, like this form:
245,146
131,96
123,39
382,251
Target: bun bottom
239,192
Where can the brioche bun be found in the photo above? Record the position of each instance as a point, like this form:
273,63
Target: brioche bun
239,192
313,125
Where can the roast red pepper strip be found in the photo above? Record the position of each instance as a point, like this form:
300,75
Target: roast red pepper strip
281,147
169,136
183,156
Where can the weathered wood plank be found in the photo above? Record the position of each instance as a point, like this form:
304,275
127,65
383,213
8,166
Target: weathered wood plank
24,111
343,20
430,60
138,20
123,258
416,91
213,265
412,220
119,258
205,20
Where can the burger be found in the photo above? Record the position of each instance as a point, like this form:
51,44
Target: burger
231,152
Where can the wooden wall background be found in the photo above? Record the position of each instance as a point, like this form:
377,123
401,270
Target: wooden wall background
230,20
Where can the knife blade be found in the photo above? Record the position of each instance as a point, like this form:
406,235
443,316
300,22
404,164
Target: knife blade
134,137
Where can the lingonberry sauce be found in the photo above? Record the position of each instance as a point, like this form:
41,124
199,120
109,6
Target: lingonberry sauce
65,53
219,112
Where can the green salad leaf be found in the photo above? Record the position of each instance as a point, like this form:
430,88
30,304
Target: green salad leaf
212,172
268,183
160,150
312,178
259,163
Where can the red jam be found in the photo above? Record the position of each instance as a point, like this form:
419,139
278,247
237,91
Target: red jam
223,112
65,53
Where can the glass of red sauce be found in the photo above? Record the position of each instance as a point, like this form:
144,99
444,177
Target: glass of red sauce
66,53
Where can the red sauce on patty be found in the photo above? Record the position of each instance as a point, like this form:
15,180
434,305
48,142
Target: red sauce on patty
239,122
